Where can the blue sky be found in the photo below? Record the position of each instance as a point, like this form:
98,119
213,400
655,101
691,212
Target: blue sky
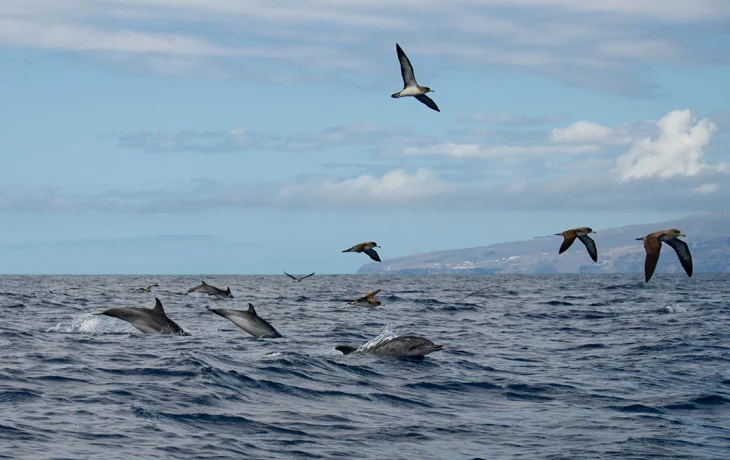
222,136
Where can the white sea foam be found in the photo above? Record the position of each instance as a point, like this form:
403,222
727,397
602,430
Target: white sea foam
94,324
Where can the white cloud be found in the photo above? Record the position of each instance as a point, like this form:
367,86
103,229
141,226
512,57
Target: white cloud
244,139
588,43
707,188
510,119
582,132
458,150
677,150
397,187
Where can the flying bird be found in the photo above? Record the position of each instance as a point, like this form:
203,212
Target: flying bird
653,245
298,279
582,234
367,248
368,300
149,288
471,294
410,86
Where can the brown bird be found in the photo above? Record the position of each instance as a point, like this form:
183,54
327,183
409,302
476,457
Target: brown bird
582,234
298,279
367,248
472,293
653,245
149,288
368,300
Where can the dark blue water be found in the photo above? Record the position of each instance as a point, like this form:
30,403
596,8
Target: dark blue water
561,366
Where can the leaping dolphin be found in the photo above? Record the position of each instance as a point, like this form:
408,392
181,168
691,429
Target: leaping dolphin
249,321
205,288
148,320
407,346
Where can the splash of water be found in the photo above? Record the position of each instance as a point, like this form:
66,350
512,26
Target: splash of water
89,323
389,332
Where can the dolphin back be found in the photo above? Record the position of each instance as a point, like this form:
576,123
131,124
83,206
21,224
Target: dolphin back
407,346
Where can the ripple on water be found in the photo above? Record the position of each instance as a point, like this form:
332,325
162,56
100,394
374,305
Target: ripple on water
551,366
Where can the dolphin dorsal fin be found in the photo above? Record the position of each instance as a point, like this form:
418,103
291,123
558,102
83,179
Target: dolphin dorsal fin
228,290
250,309
203,283
158,306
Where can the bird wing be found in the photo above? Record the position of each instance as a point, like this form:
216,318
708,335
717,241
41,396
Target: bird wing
682,250
406,69
568,238
428,101
290,276
590,246
356,248
306,276
371,295
653,247
373,255
471,294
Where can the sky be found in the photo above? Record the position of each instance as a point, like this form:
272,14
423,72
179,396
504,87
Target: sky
241,137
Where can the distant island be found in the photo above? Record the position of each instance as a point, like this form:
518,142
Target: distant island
708,237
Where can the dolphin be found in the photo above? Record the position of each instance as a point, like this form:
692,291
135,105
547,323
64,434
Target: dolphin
249,321
205,288
407,346
148,320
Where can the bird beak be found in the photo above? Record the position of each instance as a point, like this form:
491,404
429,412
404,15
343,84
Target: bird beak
378,246
558,234
638,239
682,234
594,232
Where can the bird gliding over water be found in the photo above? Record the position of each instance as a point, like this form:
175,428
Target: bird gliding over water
298,279
582,234
653,245
367,248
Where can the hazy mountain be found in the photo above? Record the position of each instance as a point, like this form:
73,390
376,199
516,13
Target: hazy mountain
708,236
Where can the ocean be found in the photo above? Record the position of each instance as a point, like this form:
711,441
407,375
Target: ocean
534,367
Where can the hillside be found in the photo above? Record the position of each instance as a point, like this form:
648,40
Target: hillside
708,236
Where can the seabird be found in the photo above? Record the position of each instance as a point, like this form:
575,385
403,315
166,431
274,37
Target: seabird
367,248
410,86
653,245
298,279
471,294
368,300
149,288
582,234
